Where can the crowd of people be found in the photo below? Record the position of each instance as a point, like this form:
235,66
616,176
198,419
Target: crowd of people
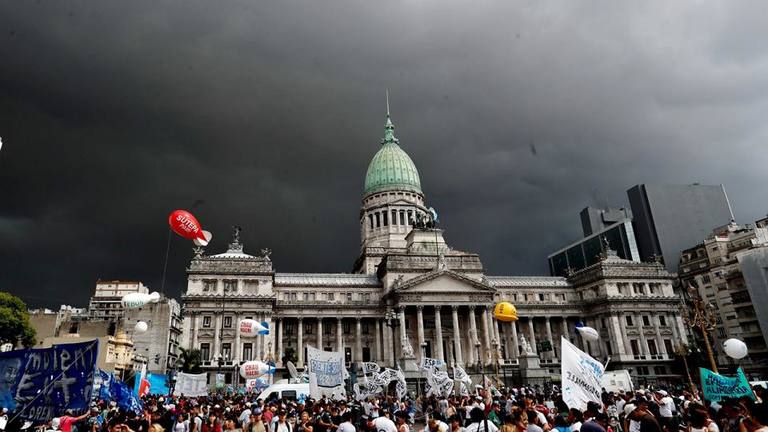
524,409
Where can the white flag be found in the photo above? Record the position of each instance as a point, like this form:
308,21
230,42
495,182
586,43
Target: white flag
581,375
326,373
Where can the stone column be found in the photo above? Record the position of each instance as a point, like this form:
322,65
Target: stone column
279,323
390,351
456,335
217,336
439,334
532,340
195,324
643,343
617,339
358,340
420,330
401,312
258,341
339,336
486,338
515,343
566,333
681,328
236,349
659,340
472,336
320,333
377,341
549,335
300,342
623,328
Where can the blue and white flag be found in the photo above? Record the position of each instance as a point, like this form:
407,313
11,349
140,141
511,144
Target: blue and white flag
40,384
326,373
581,376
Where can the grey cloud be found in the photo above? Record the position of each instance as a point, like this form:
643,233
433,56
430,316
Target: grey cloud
115,114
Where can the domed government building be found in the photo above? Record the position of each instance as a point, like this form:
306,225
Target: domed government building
412,295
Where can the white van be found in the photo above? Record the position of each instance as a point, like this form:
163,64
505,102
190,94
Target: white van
285,390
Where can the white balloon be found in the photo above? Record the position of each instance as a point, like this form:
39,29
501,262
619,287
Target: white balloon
588,333
735,348
255,369
137,300
140,327
249,327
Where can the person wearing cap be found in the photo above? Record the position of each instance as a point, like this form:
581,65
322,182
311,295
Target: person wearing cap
66,421
256,423
667,409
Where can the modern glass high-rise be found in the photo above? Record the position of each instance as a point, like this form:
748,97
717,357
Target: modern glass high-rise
671,218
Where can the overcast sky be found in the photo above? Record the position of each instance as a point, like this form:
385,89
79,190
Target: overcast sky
517,115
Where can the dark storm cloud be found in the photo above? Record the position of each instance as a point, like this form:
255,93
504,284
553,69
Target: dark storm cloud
266,114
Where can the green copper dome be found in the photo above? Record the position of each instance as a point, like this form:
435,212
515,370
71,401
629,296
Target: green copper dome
391,167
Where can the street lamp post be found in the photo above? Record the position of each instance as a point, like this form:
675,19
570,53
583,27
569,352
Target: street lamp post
682,350
702,316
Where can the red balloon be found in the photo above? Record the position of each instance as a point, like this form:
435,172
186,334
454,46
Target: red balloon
184,224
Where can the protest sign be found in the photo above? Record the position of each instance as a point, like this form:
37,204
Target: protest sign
326,373
190,385
40,384
717,387
581,375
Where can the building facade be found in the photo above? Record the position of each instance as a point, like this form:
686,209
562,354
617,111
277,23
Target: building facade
105,302
728,271
412,295
160,343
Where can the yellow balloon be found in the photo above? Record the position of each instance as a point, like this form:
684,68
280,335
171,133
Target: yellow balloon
505,311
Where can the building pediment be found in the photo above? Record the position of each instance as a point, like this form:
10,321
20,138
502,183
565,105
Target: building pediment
443,281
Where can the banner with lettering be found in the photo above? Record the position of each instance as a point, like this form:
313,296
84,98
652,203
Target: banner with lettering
326,373
581,375
718,387
40,384
427,363
193,385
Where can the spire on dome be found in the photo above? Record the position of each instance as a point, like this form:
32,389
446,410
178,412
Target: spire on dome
389,128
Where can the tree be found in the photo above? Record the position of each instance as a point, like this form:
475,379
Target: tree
190,360
14,322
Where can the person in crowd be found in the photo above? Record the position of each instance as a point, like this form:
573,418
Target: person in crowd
211,424
455,422
479,423
575,419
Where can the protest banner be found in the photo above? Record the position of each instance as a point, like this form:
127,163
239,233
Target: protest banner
40,384
718,387
581,376
326,373
194,385
427,363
